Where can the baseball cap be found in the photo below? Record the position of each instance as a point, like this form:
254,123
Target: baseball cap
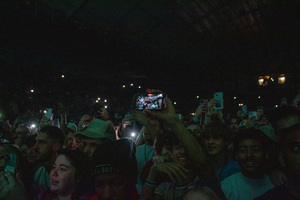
98,129
116,157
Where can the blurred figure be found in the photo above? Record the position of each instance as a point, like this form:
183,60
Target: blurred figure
96,133
115,171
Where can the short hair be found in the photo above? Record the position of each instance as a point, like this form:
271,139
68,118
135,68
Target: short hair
253,134
218,128
54,134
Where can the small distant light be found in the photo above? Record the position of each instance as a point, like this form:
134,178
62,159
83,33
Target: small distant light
124,86
192,114
241,104
197,97
258,97
97,101
105,106
99,98
63,76
175,103
45,111
276,106
133,134
32,91
272,79
234,97
105,100
131,84
140,87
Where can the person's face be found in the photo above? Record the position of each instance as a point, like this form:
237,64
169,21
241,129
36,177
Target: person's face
179,156
112,186
70,141
146,133
260,112
214,144
290,157
251,157
43,147
234,126
89,145
62,176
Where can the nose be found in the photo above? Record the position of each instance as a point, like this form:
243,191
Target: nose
249,152
53,172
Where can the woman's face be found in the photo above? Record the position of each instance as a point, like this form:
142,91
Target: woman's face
62,176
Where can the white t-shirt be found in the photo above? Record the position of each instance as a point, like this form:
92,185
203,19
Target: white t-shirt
239,187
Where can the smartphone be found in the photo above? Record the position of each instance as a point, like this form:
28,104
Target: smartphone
11,160
150,101
202,101
244,108
218,96
179,116
252,114
48,113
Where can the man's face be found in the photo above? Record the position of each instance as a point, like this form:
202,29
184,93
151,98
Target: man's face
214,144
43,147
234,126
90,144
147,135
251,157
291,153
112,186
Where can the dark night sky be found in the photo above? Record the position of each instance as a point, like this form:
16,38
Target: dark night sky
151,45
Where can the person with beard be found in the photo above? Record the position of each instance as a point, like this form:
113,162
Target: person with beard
251,153
289,159
49,142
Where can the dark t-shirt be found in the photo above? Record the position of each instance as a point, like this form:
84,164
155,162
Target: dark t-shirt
277,193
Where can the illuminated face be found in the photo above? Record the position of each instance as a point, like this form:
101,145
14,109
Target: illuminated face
90,144
214,144
179,156
43,147
251,157
62,176
290,157
113,186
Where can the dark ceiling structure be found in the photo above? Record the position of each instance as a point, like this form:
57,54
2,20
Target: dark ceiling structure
172,42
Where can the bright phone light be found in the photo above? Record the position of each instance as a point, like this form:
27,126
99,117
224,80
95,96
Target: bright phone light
32,126
124,86
133,134
99,98
32,91
105,100
140,87
45,111
63,76
175,103
234,97
131,84
105,106
97,101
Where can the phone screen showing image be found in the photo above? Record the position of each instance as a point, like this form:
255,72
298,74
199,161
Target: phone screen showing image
154,101
11,162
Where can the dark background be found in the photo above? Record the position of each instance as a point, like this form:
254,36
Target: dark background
186,48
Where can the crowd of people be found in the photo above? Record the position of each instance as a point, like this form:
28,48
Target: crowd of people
209,156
